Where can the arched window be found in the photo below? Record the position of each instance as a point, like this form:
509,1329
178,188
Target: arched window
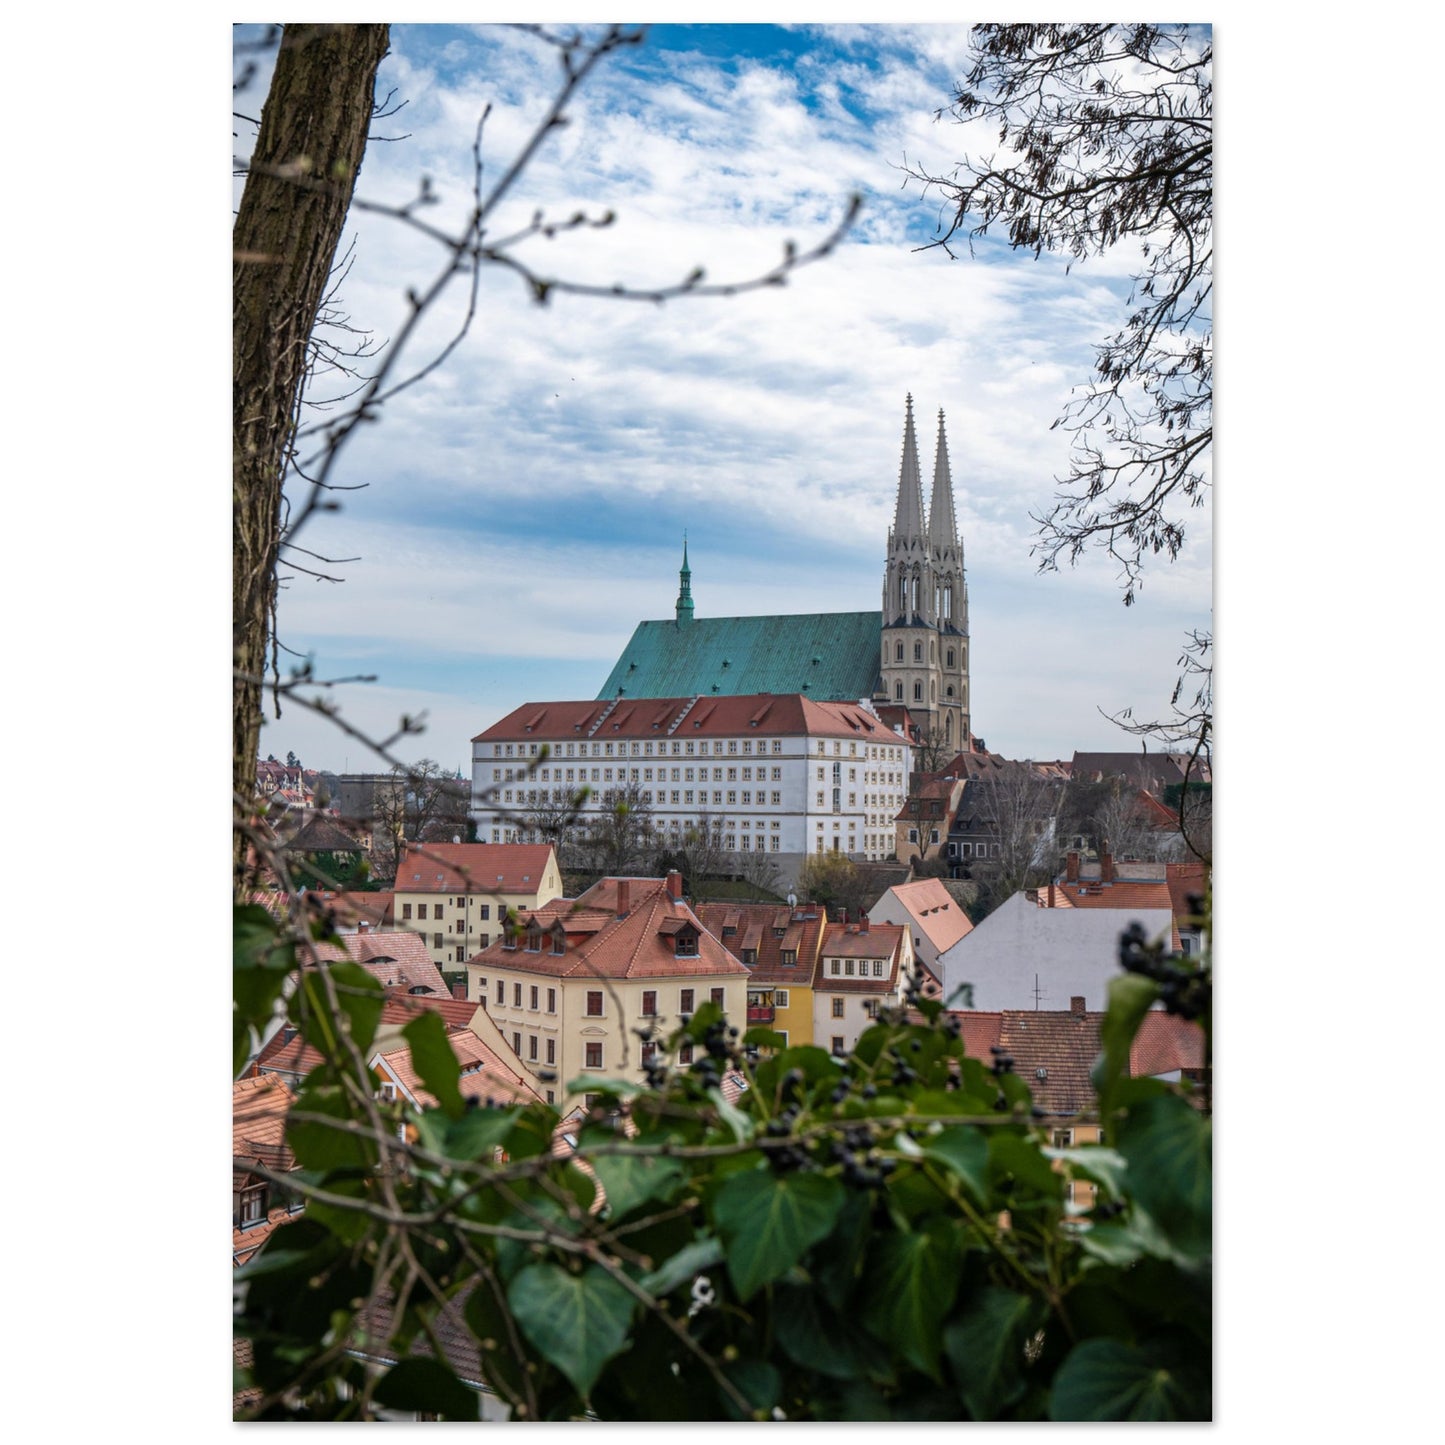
948,723
937,603
950,659
898,652
950,692
932,691
898,692
948,600
903,594
918,652
917,692
915,594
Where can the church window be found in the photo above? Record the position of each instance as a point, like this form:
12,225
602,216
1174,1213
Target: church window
948,602
950,690
932,650
917,692
918,652
898,652
898,692
903,594
937,600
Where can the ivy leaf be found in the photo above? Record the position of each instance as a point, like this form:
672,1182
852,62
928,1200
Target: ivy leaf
913,1279
476,1133
689,1262
985,1347
768,1221
1108,1379
1130,996
814,1337
358,997
577,1321
434,1061
421,1384
1168,1146
963,1151
629,1179
318,1144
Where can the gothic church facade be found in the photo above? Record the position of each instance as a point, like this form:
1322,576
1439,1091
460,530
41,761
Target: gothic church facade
911,655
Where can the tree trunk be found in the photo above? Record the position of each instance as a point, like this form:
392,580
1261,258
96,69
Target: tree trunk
302,174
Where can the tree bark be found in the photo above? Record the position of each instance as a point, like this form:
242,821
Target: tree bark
302,174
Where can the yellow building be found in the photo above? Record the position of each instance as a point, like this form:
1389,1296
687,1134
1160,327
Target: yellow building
456,895
572,986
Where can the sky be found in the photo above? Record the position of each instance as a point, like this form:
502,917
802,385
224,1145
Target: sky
524,506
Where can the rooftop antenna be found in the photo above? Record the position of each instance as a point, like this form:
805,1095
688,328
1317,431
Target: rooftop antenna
1038,993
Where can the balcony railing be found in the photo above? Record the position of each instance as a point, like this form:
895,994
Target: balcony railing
760,1013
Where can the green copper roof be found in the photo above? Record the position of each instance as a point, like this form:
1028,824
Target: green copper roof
827,656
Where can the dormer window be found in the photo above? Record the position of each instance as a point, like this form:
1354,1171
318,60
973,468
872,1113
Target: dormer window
750,956
686,945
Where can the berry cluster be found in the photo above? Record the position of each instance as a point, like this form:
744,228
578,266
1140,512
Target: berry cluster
1183,991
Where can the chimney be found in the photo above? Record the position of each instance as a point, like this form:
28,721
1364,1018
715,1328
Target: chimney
362,926
1076,1005
862,923
622,897
674,885
1052,903
1073,868
459,991
1106,866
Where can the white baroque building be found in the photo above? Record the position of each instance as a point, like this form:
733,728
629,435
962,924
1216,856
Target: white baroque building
782,774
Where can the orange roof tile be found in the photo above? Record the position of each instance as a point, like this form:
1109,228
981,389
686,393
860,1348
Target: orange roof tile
472,867
1164,1044
755,926
601,945
938,915
485,1072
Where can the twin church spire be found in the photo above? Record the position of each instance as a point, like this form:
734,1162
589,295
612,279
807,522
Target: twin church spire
925,599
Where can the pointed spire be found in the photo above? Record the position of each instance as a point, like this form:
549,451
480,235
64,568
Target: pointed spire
942,525
908,514
684,594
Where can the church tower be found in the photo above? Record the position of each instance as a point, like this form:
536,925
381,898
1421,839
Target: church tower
925,601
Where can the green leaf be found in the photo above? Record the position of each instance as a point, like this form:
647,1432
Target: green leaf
768,1221
318,1144
1168,1146
630,1179
1107,1379
758,1382
684,1266
814,1337
1130,996
1106,1167
359,999
421,1384
912,1281
434,1061
985,1347
1022,1159
963,1151
477,1133
578,1321
733,1117
764,1038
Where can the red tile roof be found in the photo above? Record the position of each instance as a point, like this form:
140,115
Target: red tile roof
1164,1044
601,945
472,867
847,940
486,1073
395,960
258,1117
401,1008
742,926
1127,893
937,914
781,714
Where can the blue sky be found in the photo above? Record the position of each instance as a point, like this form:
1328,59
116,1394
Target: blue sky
523,508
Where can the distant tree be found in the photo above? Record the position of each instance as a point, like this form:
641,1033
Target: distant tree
292,761
837,882
420,803
557,818
698,853
619,836
932,751
758,869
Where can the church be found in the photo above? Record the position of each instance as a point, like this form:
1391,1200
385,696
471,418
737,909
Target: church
910,657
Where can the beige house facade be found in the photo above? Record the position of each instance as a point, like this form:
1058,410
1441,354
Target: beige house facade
456,896
570,987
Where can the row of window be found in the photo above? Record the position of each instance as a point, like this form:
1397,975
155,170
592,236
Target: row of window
918,692
843,967
682,748
484,910
918,653
596,1002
